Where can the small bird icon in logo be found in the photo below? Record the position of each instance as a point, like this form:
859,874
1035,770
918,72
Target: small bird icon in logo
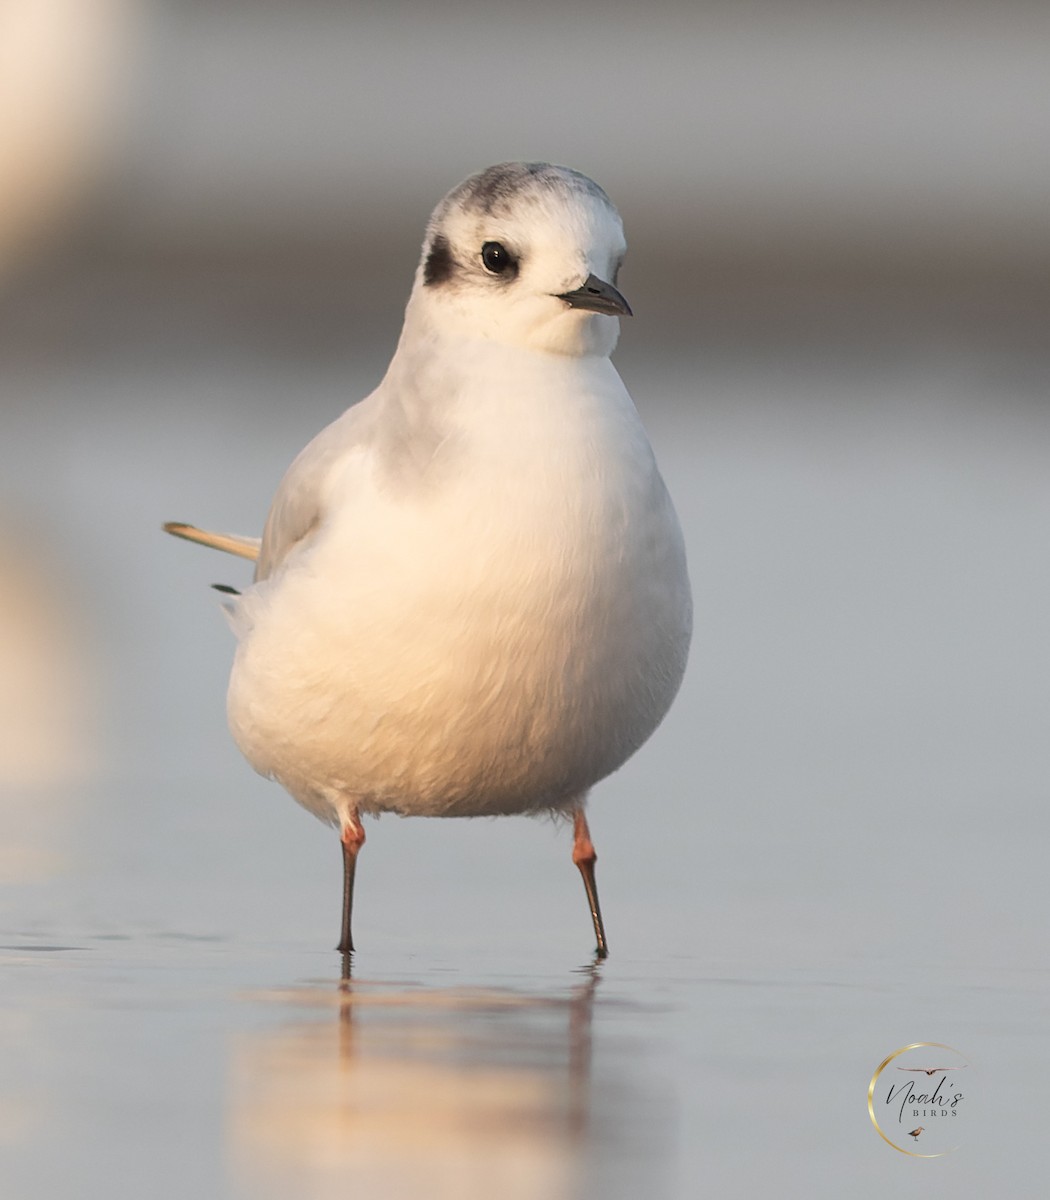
914,1133
931,1070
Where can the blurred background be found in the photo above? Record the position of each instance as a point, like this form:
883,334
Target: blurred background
839,248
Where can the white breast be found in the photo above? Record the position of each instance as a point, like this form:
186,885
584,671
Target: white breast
491,634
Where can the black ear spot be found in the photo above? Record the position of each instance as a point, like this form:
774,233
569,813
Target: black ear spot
440,265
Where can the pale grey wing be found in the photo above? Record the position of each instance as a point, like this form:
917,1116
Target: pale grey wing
299,508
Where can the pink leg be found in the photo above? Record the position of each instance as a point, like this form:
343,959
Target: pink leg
584,856
353,838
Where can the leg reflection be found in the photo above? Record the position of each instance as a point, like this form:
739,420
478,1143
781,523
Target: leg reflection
415,1090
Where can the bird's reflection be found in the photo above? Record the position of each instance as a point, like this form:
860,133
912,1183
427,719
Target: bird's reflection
413,1090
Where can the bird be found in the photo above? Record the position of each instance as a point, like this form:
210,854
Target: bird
471,595
914,1133
931,1070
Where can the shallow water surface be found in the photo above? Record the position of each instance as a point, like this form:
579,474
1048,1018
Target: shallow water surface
173,1066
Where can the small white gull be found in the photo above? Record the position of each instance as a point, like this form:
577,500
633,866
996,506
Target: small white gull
470,595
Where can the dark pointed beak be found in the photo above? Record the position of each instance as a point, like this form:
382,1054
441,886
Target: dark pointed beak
597,296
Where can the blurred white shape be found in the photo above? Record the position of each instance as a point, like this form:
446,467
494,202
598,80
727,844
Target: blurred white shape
46,742
62,71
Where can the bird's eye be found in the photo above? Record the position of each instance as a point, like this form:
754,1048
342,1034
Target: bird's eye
496,257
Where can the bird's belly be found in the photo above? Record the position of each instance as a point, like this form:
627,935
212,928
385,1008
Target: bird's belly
462,680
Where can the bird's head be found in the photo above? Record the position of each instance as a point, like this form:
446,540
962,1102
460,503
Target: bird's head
526,254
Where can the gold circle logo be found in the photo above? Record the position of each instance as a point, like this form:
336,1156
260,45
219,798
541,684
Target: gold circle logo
924,1102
